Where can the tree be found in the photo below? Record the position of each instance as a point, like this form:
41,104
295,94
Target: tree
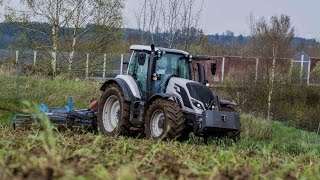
81,17
52,11
190,20
171,21
272,40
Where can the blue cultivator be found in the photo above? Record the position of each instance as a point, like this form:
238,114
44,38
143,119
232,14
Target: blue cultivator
61,116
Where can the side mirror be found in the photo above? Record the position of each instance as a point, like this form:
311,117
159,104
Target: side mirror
202,73
213,68
142,58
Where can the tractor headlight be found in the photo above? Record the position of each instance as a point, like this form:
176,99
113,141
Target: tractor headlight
197,104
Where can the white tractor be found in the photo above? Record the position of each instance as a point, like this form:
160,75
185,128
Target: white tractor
158,98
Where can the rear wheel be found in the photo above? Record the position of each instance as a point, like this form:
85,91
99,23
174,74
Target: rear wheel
114,112
164,120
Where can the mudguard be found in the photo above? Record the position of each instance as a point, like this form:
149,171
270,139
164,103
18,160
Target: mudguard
224,102
128,96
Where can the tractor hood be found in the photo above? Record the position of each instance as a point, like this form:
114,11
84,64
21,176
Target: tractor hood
201,93
193,95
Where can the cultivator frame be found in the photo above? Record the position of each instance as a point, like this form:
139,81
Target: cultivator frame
62,116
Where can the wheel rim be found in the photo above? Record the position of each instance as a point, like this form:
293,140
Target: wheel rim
111,113
157,123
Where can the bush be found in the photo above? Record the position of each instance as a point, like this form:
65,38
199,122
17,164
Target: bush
294,105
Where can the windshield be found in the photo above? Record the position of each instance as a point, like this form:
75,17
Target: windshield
173,64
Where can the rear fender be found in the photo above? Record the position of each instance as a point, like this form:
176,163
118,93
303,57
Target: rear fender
128,95
226,105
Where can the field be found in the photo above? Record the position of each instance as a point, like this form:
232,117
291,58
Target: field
265,151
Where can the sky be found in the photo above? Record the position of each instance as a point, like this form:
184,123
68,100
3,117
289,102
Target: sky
221,15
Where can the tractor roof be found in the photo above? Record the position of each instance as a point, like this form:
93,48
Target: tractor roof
148,48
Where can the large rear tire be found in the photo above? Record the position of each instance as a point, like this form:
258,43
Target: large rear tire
164,120
114,112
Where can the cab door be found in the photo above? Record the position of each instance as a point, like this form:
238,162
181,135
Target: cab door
138,69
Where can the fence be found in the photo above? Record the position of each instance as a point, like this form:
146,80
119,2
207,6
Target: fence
84,65
299,69
240,69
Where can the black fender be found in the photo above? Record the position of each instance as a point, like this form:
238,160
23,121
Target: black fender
224,102
163,96
226,105
128,96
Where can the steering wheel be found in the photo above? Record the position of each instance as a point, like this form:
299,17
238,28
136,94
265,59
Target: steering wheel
165,82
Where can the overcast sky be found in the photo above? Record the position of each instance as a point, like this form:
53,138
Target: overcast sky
221,15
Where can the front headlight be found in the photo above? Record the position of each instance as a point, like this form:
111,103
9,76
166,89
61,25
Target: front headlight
197,104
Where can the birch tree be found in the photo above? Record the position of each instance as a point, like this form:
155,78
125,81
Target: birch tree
77,21
273,40
97,17
190,19
54,12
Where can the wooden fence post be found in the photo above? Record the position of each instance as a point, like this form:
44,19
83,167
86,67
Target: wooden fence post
121,64
257,68
17,56
301,69
34,58
104,65
222,69
309,69
87,66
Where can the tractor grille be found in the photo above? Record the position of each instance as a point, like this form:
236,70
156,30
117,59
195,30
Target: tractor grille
201,93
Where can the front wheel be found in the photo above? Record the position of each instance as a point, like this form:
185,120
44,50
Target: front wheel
164,120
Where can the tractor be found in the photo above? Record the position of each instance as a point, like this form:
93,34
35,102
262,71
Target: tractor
158,98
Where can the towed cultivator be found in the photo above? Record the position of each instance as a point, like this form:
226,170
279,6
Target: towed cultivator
63,116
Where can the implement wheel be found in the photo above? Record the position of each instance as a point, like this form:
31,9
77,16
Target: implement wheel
164,120
114,112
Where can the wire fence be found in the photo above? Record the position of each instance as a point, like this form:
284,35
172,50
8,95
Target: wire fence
299,69
84,65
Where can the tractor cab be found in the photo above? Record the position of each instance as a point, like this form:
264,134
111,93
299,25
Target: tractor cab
164,64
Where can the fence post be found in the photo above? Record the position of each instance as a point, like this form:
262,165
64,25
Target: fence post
104,65
301,70
309,69
87,66
222,69
257,67
291,70
121,64
17,56
34,58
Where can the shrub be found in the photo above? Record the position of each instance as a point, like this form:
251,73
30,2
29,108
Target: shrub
294,105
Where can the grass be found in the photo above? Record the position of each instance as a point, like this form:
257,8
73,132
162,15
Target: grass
265,151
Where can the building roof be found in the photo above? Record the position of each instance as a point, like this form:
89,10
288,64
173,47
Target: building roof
148,48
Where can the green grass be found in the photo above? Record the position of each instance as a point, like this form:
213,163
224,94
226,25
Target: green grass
54,93
266,150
